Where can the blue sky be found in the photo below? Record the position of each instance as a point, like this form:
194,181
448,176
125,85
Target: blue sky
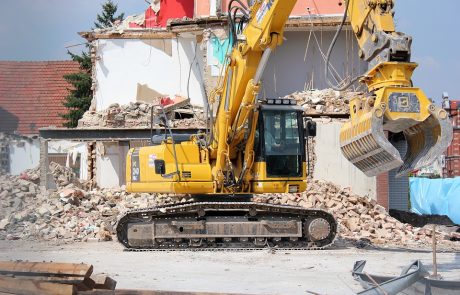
41,29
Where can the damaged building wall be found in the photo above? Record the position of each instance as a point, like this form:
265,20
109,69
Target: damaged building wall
110,163
299,65
301,8
74,154
130,70
23,154
332,166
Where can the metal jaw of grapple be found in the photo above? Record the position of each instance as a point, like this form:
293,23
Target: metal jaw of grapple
427,131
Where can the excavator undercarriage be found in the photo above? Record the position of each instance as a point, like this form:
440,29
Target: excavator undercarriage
222,225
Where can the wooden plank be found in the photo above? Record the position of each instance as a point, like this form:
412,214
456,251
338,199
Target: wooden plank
148,292
31,287
45,269
104,282
46,278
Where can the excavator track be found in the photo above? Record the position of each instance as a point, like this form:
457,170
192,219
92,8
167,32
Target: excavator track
217,226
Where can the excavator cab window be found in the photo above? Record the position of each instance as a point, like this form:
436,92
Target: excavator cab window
281,143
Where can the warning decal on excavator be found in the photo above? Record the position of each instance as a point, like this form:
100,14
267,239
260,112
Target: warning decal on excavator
152,158
263,10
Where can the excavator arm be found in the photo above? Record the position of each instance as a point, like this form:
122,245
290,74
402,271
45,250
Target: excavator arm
237,94
394,105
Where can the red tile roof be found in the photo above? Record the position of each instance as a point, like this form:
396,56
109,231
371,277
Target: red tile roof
31,94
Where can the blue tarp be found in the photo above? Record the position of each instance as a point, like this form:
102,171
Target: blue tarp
436,197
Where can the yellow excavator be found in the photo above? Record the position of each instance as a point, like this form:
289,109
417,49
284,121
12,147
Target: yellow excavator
257,145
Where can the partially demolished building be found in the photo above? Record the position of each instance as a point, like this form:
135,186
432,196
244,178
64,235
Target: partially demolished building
175,50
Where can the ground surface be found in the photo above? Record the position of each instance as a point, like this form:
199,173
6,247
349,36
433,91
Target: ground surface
252,272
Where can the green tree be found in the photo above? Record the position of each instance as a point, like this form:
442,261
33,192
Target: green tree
108,18
79,99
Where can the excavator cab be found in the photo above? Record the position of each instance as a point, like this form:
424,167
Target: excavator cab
280,153
281,144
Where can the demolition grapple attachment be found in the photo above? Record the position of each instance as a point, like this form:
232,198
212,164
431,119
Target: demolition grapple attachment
397,109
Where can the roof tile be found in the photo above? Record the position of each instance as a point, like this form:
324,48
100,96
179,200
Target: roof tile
32,93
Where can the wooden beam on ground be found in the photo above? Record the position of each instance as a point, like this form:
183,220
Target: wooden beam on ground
32,287
146,292
45,269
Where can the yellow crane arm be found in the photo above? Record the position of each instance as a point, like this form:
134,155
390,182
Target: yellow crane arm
237,93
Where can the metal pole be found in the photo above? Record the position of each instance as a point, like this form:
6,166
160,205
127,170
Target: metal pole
435,265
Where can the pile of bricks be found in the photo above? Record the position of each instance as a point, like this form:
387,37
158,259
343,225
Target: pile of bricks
69,213
359,217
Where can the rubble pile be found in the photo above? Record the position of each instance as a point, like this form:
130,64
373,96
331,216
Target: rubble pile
326,101
72,212
128,116
28,211
358,217
133,115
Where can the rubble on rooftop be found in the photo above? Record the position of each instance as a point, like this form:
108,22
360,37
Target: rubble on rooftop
325,101
138,115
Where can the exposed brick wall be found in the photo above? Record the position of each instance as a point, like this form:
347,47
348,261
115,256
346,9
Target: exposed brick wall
382,190
452,167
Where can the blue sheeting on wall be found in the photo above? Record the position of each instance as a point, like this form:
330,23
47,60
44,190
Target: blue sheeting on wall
436,196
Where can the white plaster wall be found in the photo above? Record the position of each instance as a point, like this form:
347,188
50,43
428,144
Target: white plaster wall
110,163
332,166
298,61
123,63
24,155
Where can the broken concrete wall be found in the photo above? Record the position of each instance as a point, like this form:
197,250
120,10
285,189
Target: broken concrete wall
298,64
110,163
75,152
332,166
130,70
24,154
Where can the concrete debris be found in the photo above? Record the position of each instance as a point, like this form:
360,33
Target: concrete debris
138,115
359,217
73,212
70,213
326,101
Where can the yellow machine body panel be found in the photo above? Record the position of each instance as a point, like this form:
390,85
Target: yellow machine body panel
262,183
194,174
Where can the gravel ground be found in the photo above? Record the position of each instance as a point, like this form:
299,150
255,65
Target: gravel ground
251,272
